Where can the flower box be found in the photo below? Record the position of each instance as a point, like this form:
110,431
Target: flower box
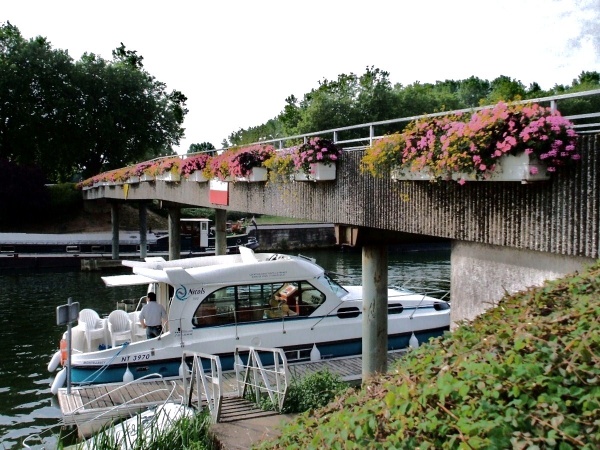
256,174
146,177
132,180
169,177
509,168
318,172
197,176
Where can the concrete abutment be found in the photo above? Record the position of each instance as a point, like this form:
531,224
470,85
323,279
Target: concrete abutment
481,274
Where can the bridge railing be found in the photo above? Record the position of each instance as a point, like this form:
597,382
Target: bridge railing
370,127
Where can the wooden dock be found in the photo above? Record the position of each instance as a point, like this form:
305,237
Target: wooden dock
91,407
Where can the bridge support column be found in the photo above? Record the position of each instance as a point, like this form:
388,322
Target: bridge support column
220,231
114,222
143,214
375,314
174,232
481,274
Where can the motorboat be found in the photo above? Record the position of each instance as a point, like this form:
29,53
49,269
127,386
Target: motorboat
214,303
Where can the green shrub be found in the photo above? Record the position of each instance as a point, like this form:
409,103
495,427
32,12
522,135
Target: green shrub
524,375
65,198
313,391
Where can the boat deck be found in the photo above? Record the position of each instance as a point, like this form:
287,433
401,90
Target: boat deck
90,407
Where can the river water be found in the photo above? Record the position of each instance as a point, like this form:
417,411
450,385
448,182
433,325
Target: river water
30,336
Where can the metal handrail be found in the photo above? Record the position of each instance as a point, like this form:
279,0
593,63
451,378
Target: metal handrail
209,382
334,131
553,100
256,375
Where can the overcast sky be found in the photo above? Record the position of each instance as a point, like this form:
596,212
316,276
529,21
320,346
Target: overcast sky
237,60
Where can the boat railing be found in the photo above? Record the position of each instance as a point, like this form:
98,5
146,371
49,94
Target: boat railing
265,371
206,375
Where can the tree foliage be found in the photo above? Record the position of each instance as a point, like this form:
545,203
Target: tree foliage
23,194
352,99
81,116
202,147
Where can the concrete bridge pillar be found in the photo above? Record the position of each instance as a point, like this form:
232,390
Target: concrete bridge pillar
220,232
375,313
114,222
143,224
174,232
481,274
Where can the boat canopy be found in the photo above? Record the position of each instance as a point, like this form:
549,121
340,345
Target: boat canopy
127,280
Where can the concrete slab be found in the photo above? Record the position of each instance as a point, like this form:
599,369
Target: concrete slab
243,434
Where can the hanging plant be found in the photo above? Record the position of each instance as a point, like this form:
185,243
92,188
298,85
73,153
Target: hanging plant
316,150
450,146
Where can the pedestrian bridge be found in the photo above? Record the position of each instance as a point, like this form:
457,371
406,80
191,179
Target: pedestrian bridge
505,235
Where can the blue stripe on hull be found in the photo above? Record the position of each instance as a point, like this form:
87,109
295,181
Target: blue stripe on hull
114,373
170,368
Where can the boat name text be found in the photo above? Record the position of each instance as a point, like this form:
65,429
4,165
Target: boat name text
134,358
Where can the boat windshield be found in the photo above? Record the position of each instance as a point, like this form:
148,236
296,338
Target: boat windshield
334,285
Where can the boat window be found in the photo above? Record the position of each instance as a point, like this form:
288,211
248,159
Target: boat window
255,302
348,312
395,308
334,285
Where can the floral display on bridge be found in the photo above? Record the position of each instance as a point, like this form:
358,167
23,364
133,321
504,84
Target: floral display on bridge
473,143
316,150
247,158
193,163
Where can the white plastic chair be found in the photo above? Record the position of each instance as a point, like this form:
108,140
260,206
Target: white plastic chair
93,326
119,327
138,333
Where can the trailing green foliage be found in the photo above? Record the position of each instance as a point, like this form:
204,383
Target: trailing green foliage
524,375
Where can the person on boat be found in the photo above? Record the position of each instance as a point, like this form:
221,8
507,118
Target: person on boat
152,316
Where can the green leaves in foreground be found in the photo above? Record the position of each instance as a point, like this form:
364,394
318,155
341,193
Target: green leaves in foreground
525,375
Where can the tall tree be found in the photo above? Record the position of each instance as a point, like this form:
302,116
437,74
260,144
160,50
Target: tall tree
202,147
83,117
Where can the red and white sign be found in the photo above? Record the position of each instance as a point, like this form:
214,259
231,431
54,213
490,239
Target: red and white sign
219,192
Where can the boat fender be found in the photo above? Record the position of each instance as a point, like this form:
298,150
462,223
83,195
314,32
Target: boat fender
184,370
413,342
63,351
315,354
238,361
54,362
127,376
59,381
